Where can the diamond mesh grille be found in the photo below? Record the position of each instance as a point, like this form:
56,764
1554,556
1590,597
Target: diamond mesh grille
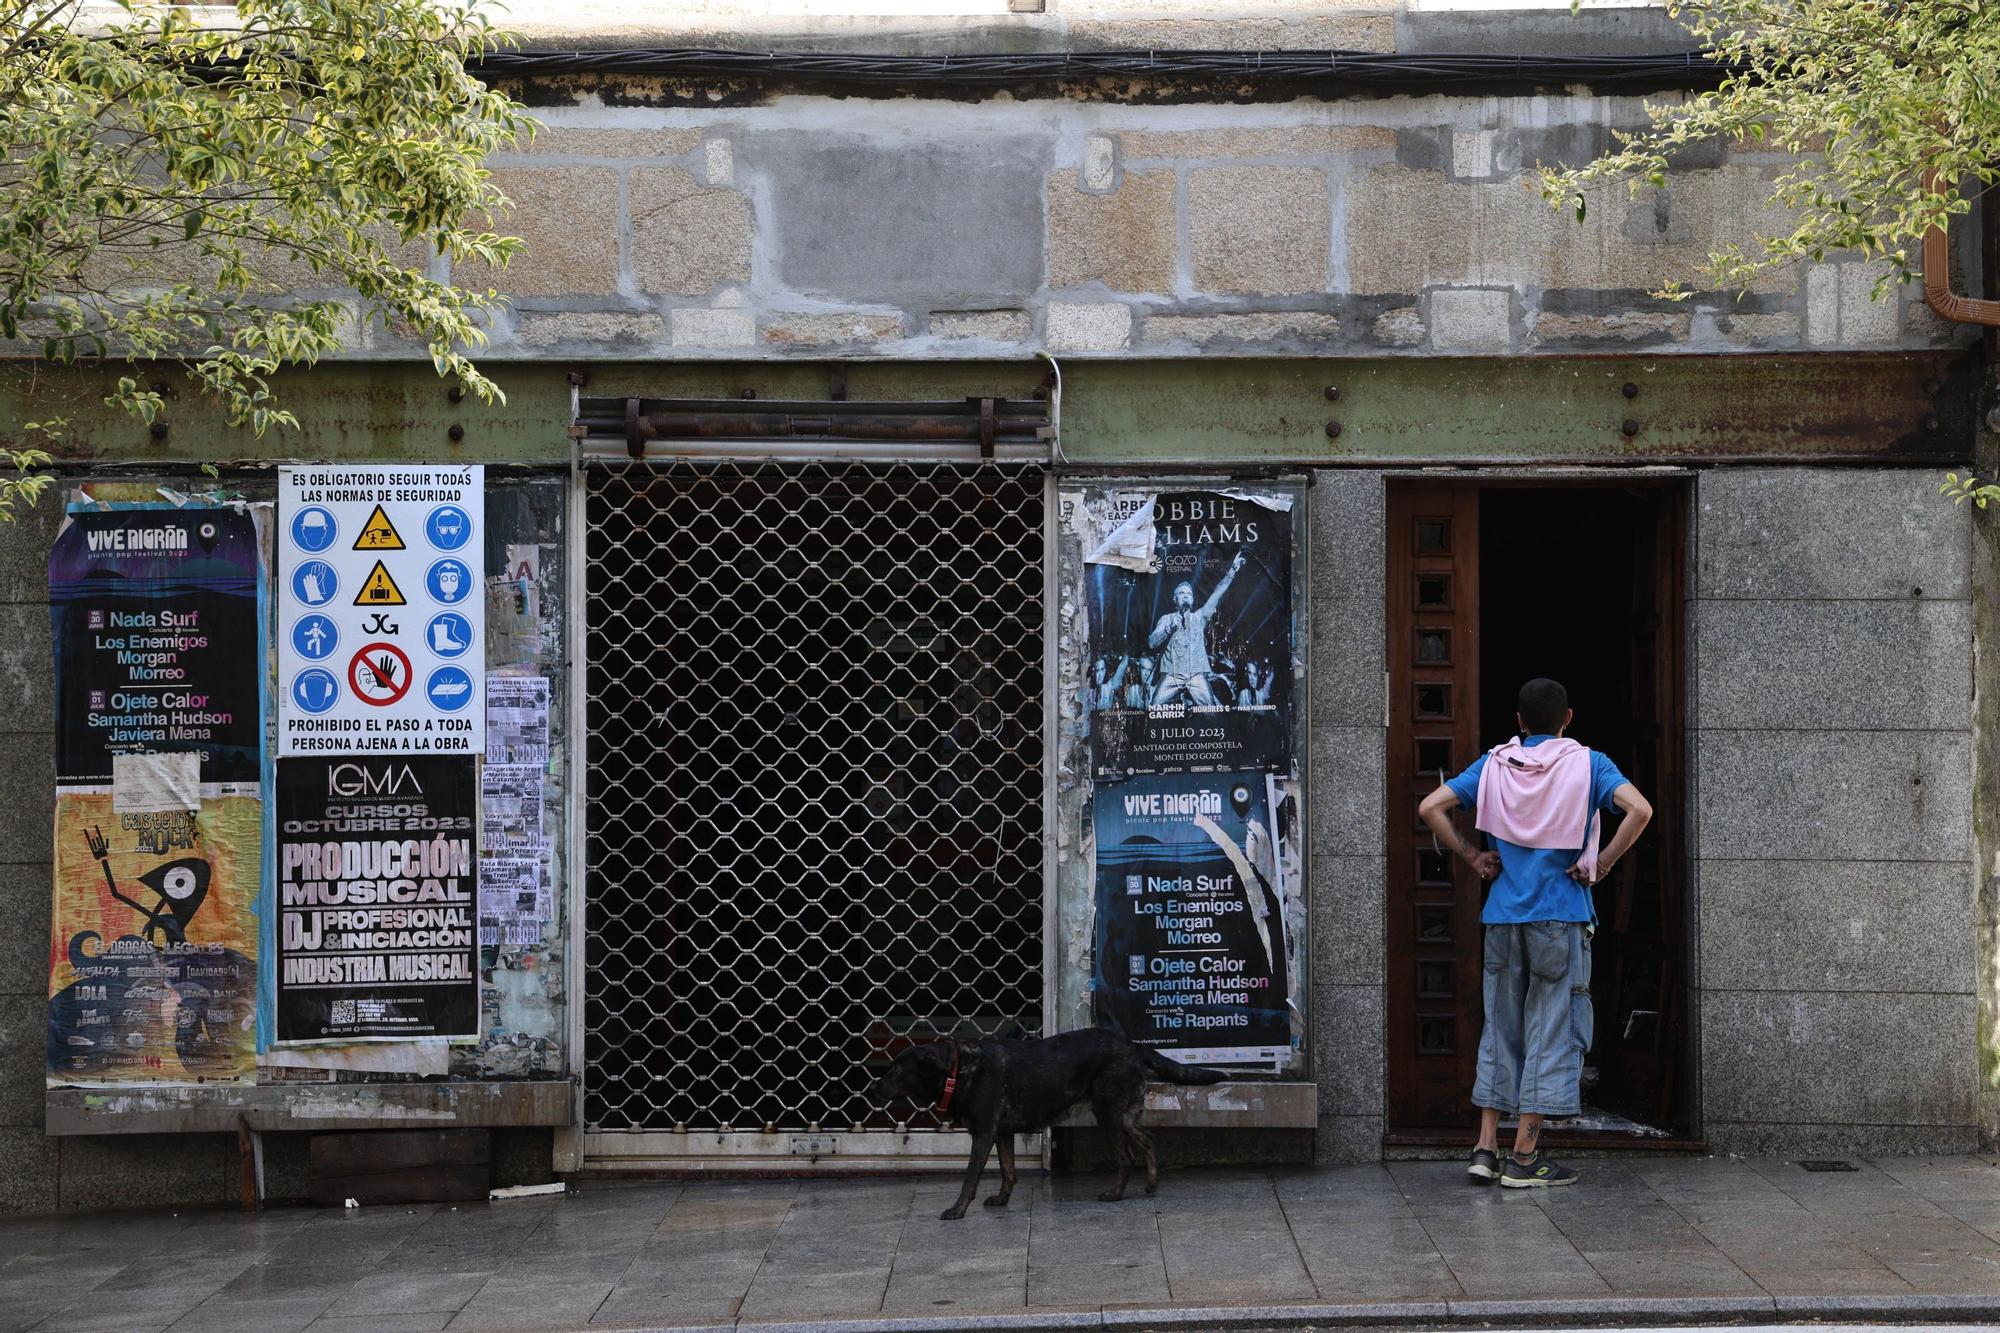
814,797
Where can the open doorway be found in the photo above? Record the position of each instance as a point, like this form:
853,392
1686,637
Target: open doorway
1491,585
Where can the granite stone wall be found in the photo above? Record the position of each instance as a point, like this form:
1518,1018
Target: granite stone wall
809,226
1348,829
1832,839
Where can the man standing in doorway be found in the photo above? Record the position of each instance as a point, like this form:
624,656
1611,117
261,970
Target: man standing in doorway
1181,638
1538,799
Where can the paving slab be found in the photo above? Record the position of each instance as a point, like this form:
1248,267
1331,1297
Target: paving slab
1675,1272
514,1303
273,1316
394,1323
939,1292
409,1293
832,1295
1095,1284
664,1308
1641,1227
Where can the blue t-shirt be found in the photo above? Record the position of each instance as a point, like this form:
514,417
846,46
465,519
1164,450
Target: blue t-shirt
1534,882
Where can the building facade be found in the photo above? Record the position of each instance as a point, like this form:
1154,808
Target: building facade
870,394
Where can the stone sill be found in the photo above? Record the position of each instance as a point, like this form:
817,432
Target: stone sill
1244,1105
309,1107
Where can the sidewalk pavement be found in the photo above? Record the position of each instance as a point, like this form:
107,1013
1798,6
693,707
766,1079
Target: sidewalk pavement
1653,1240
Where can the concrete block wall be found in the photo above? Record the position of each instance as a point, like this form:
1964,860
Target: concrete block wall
1348,863
1832,838
806,226
27,739
42,1174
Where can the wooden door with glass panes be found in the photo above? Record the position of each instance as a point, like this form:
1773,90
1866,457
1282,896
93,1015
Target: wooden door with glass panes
1434,898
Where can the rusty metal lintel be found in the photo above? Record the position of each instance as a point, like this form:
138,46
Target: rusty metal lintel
1914,408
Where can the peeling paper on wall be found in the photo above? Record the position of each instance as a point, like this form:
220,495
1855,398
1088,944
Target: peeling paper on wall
1281,501
426,1057
1117,529
155,784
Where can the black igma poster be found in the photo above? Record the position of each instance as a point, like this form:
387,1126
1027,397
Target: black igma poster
378,911
1189,599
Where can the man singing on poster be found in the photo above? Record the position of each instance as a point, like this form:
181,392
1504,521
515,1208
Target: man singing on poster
1184,668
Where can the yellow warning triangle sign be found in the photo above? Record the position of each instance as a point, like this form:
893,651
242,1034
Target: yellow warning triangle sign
378,534
378,589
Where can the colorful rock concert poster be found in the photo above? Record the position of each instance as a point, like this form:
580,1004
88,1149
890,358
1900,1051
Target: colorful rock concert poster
153,957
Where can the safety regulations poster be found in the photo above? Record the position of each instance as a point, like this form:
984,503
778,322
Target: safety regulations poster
382,610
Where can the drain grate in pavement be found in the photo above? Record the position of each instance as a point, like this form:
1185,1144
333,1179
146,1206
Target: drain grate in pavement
1828,1164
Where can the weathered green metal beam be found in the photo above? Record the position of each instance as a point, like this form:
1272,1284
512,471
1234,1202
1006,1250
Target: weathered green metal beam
1910,407
352,411
1915,407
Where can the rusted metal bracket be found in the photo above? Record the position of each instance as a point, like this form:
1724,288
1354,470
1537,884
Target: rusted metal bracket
989,429
635,437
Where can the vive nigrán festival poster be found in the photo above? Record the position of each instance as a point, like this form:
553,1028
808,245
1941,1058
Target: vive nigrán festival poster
1191,941
155,615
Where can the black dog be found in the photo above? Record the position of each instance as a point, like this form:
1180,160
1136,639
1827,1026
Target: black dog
998,1089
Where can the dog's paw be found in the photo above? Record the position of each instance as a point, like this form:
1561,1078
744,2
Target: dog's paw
1111,1196
996,1201
951,1214
1153,1189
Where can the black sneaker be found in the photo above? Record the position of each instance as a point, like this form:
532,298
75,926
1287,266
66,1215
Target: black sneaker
1484,1167
1535,1173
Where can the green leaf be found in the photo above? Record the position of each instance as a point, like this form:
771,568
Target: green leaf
343,129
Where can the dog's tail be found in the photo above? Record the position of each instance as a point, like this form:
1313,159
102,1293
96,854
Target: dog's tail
1173,1072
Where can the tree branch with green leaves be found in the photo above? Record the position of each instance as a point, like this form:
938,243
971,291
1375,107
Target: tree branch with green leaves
1872,98
239,199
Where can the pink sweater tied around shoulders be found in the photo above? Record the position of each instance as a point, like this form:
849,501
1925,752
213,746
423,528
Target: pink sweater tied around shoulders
1539,796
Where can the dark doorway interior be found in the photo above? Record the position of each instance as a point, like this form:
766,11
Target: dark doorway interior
1581,584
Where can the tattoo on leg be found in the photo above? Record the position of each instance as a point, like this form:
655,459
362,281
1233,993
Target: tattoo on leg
1524,1142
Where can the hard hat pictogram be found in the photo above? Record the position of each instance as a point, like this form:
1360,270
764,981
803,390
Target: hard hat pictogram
378,589
378,534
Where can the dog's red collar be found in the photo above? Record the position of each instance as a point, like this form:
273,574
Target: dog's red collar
950,1083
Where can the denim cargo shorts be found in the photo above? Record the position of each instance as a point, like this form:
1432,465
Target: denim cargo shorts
1538,1018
